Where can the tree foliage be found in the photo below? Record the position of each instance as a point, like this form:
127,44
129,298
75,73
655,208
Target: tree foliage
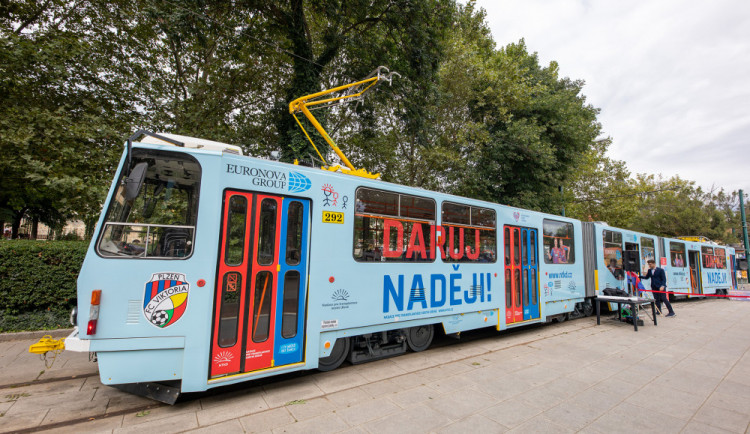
602,189
465,117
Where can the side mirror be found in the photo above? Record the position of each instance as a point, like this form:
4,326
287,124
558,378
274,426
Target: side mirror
134,181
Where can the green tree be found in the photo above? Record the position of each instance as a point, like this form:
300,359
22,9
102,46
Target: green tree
535,126
59,114
333,42
600,189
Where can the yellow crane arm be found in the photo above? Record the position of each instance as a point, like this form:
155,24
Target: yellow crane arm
316,101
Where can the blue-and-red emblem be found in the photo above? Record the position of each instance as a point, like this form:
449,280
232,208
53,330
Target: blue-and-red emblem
165,298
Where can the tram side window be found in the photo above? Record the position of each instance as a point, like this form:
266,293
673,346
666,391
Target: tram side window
267,232
677,254
613,253
392,227
721,258
470,234
235,237
290,307
708,257
262,306
230,308
648,252
294,233
559,243
154,208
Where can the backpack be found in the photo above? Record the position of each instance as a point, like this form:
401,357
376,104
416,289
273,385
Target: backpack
615,292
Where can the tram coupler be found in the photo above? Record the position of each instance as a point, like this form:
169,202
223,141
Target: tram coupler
161,392
47,344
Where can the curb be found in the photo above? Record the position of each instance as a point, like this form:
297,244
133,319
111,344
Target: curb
24,336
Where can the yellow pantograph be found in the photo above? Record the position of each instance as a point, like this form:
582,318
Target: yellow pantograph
323,100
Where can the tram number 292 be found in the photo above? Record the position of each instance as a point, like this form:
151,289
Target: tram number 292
333,217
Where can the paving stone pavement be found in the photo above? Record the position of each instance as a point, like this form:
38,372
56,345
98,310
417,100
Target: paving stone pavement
689,374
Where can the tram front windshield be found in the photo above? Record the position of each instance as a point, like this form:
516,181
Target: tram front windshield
154,209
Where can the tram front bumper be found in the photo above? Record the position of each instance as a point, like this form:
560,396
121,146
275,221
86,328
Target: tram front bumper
74,343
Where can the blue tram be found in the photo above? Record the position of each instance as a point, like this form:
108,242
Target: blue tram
208,267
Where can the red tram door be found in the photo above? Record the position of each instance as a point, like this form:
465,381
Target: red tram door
245,308
521,283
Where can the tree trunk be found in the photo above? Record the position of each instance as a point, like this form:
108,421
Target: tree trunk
90,226
305,80
34,227
15,225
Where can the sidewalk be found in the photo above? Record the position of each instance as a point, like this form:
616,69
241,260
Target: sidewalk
567,377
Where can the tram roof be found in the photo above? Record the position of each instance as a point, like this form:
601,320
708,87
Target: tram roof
191,142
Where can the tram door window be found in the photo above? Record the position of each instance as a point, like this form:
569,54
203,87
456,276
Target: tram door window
677,254
648,252
695,271
612,242
521,274
260,294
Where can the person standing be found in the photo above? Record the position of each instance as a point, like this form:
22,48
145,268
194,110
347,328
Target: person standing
659,286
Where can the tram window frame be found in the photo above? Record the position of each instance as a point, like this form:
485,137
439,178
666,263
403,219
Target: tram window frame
613,240
508,288
720,258
266,246
708,257
369,219
236,231
550,229
262,301
477,219
647,248
506,245
290,305
230,299
294,228
673,253
153,239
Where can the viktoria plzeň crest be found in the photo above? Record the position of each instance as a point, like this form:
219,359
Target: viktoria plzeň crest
165,298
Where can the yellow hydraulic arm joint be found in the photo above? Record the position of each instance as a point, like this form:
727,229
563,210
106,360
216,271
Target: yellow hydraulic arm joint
317,101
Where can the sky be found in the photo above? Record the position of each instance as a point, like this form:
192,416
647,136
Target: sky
671,77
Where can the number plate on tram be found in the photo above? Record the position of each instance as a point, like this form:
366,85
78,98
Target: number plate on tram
333,217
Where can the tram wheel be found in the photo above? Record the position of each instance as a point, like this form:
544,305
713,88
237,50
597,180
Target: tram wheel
338,354
419,338
588,309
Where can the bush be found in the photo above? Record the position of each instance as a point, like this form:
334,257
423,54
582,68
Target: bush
38,281
34,321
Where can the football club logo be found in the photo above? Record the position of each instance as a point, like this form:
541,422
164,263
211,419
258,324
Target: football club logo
165,298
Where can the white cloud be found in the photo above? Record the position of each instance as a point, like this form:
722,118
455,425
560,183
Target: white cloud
672,78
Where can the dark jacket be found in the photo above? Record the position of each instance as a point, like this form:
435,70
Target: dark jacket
658,277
